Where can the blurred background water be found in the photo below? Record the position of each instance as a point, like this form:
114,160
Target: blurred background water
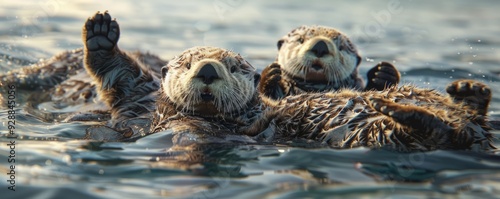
431,42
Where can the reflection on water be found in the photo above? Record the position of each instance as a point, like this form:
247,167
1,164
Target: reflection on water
432,43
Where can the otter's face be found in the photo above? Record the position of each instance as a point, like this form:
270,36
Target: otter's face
208,81
317,54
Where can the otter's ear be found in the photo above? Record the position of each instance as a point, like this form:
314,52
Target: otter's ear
280,43
164,71
358,59
256,79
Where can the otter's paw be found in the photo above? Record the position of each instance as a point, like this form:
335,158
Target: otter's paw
269,84
382,76
100,32
410,116
385,107
473,93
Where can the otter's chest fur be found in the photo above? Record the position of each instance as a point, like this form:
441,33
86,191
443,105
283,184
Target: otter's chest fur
204,128
348,119
293,86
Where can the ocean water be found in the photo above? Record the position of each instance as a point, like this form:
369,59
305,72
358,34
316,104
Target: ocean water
432,43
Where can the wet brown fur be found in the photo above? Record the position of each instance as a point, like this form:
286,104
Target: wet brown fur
404,118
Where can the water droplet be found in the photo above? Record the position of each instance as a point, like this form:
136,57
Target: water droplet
484,75
451,77
479,41
458,53
470,47
453,70
101,171
474,55
66,159
48,162
469,75
470,63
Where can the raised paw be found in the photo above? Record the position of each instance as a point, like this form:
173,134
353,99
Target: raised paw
269,84
473,93
382,76
100,32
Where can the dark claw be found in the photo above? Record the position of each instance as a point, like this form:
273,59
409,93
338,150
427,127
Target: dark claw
385,77
107,17
485,91
98,17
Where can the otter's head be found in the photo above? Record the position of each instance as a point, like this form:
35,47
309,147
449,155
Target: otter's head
317,54
209,81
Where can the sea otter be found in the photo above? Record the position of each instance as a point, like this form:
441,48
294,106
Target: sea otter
206,90
208,95
320,59
403,118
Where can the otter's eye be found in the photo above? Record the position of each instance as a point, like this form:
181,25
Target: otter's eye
164,71
188,65
233,68
300,40
280,43
341,48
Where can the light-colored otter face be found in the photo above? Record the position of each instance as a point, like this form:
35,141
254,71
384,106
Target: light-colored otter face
209,81
317,54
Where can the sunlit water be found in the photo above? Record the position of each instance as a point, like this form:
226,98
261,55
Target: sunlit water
431,42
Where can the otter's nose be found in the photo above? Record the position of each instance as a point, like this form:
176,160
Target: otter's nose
320,49
207,73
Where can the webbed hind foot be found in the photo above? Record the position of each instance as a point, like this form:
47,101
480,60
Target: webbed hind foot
424,126
473,93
